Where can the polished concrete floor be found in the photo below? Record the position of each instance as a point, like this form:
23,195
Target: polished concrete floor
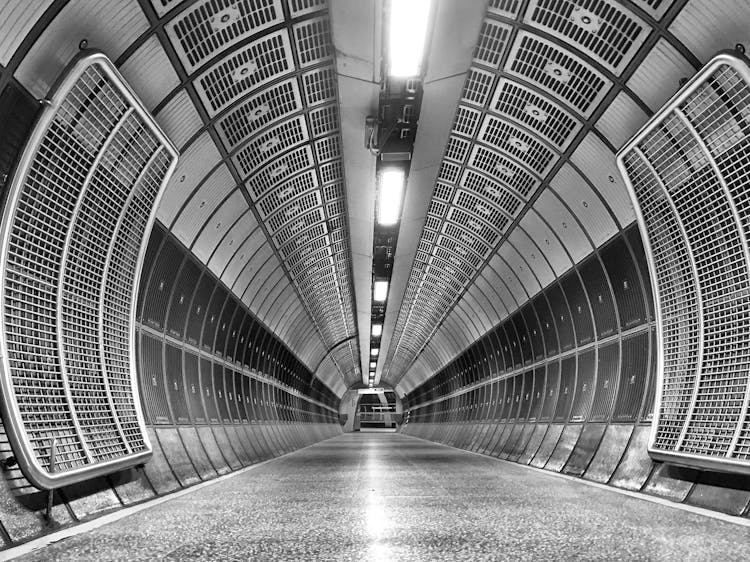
375,496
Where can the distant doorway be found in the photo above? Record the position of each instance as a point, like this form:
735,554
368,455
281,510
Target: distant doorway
376,412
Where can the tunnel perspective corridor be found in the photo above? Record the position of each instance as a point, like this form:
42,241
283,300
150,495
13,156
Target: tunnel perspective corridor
239,236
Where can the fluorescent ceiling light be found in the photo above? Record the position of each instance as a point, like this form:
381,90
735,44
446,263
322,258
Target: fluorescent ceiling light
377,329
389,198
379,292
374,351
408,31
373,364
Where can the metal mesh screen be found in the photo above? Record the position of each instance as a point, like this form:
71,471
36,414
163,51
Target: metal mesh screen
687,172
74,231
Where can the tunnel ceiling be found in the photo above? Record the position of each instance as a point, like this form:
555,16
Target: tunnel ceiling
513,178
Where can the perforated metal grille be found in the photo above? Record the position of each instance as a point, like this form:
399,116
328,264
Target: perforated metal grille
517,143
252,67
313,41
538,113
258,112
492,43
558,72
605,30
687,173
74,231
210,27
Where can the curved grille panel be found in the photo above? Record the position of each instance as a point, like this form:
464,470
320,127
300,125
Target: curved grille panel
74,232
687,173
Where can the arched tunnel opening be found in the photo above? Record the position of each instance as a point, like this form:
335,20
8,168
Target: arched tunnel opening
378,279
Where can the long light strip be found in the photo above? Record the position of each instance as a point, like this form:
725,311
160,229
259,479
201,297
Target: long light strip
379,292
407,34
389,198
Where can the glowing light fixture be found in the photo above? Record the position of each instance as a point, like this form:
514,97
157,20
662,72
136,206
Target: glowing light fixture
373,364
407,34
374,351
390,195
377,330
379,292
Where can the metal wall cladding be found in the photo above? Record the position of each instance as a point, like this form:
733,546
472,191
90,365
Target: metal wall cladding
207,390
634,374
626,284
563,321
175,383
600,298
686,171
585,386
193,388
160,283
579,308
151,381
182,297
607,381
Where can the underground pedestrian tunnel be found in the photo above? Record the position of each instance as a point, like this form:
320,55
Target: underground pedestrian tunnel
375,279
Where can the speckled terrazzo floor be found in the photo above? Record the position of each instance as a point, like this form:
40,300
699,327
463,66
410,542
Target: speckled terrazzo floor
373,497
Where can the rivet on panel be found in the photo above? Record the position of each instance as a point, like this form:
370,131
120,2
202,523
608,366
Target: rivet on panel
84,44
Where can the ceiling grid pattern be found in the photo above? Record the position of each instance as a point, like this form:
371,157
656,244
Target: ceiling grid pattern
528,184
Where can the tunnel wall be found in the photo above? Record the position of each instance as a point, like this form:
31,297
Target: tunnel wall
219,392
567,384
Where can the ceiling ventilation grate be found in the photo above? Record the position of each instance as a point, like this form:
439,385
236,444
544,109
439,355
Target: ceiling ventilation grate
75,227
518,144
313,40
493,39
258,112
558,72
252,67
604,30
536,112
304,7
208,28
687,172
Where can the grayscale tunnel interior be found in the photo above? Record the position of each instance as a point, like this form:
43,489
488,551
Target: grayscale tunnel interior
509,309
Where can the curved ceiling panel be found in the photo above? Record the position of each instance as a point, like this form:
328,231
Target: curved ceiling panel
528,184
513,178
247,89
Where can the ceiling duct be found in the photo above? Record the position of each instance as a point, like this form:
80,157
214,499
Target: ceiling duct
687,173
74,232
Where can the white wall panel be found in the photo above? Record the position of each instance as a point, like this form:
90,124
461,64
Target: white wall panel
202,204
265,298
233,240
532,255
250,269
149,73
287,298
708,26
585,204
657,78
110,26
218,225
179,119
262,272
597,162
480,307
621,120
501,288
547,241
515,272
17,17
499,309
244,253
564,224
197,161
